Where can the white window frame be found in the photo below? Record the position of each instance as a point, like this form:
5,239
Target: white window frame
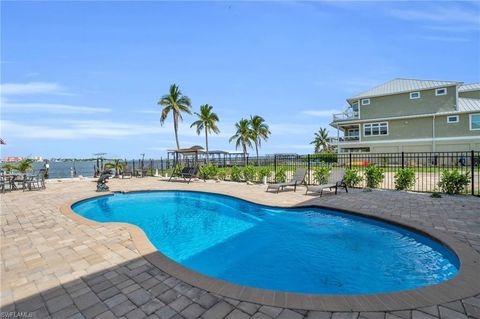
365,102
414,98
471,122
440,94
454,121
370,125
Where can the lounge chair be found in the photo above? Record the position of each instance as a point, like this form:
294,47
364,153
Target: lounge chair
127,172
187,173
335,180
297,179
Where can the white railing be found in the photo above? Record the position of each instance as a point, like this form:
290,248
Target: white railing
345,116
344,139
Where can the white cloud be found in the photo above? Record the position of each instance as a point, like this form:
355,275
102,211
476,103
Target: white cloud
442,14
50,108
320,113
89,129
32,88
444,38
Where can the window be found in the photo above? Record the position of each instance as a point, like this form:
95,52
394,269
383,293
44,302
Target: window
375,129
441,91
474,121
365,101
352,132
414,95
452,119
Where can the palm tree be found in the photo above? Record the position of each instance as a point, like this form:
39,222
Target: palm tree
176,103
259,131
207,120
321,140
117,165
243,136
24,165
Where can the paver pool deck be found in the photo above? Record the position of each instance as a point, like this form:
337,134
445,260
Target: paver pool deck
53,265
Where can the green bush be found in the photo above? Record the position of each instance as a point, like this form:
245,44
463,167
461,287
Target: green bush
236,174
453,182
209,171
249,173
321,174
264,171
373,176
405,179
222,174
326,157
352,178
281,175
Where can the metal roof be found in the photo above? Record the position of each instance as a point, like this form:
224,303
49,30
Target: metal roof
396,86
466,105
469,87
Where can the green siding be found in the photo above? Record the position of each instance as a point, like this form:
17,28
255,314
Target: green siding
422,127
462,128
470,94
402,105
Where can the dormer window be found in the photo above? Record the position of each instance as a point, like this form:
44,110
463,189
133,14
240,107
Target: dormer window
365,101
414,95
441,91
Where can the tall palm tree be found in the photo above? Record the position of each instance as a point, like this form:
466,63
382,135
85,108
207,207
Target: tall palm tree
207,120
243,136
176,103
321,140
259,131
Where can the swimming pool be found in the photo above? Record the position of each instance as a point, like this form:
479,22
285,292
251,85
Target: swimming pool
303,250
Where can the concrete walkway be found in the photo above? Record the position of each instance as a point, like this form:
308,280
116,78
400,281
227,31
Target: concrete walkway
55,267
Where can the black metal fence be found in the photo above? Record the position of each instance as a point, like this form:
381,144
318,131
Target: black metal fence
428,166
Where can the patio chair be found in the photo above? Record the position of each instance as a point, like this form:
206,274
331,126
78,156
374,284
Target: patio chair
127,172
34,182
187,173
335,180
297,179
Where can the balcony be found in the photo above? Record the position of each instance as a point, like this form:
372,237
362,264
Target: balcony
345,116
344,139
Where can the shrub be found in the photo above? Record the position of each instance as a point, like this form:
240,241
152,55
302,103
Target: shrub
453,182
236,174
249,173
281,175
321,173
222,174
405,179
352,178
373,176
208,171
264,171
326,157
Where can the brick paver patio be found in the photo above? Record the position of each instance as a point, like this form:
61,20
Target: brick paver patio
56,267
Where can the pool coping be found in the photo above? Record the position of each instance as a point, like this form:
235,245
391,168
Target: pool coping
465,284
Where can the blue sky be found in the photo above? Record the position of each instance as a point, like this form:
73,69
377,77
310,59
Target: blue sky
79,78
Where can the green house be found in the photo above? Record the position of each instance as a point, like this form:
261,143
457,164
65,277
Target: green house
408,115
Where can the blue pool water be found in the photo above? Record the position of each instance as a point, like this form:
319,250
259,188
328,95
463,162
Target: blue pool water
304,250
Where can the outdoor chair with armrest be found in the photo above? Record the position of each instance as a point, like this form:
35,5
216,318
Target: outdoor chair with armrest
187,173
296,180
335,180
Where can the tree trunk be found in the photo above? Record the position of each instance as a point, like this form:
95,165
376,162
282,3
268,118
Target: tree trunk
206,145
244,154
256,150
175,127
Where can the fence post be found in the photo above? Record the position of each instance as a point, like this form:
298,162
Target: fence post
308,169
403,160
275,166
133,168
472,166
161,165
246,164
350,160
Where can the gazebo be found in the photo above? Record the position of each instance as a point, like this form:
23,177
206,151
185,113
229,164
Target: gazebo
186,153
